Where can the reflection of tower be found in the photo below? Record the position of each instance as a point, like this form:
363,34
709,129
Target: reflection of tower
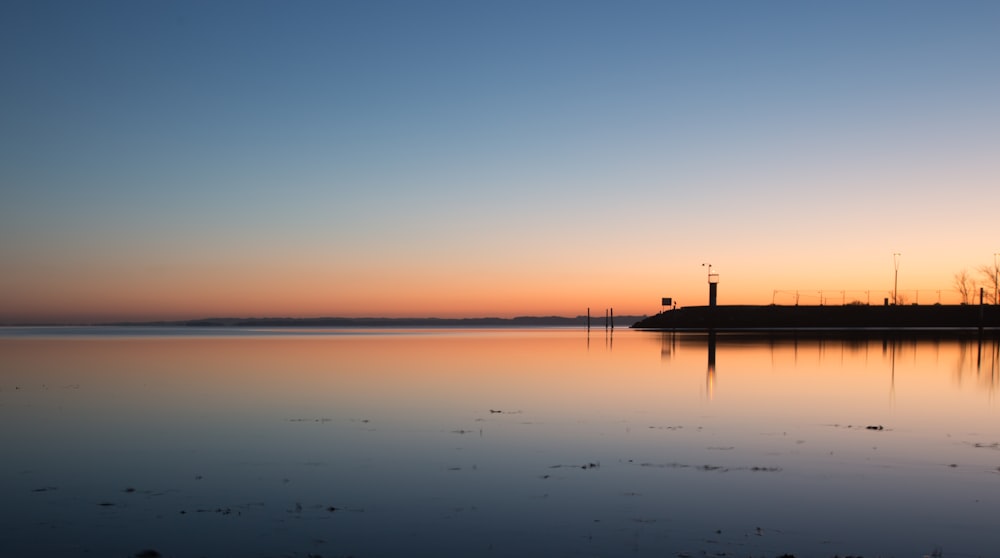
995,365
668,341
710,375
979,345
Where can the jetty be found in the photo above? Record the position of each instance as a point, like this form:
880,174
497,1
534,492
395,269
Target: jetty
826,317
855,317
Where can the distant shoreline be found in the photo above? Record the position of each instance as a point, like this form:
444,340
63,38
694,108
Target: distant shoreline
520,321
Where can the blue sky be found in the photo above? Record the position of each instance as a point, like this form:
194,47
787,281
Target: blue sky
496,151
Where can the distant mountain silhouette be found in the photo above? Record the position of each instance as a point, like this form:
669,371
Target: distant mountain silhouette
520,321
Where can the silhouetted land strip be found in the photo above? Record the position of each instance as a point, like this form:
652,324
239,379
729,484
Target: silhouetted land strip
521,321
832,318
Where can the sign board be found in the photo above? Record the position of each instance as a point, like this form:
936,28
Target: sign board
667,301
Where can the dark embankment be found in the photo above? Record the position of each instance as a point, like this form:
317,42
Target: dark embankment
825,317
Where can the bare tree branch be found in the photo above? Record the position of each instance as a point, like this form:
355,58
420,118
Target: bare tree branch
988,275
965,285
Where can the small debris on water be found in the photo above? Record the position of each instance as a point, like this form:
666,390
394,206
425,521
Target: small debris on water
591,465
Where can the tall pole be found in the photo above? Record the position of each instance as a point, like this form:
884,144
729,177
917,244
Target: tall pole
709,278
895,283
996,272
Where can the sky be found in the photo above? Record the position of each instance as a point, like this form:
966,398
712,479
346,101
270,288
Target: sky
173,160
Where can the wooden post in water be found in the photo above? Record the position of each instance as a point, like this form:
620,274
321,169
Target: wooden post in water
588,318
981,290
612,319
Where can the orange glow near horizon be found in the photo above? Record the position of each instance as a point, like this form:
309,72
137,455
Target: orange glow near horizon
120,293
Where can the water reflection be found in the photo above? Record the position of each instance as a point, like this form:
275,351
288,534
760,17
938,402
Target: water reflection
509,442
969,359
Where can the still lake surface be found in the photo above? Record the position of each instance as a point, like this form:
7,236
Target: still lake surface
495,442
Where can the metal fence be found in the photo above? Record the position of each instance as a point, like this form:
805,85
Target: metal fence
832,297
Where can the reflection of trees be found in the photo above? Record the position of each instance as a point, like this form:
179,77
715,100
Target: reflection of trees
918,357
960,365
976,359
980,357
995,362
988,361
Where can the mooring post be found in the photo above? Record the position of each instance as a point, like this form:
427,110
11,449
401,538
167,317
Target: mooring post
588,318
612,319
981,290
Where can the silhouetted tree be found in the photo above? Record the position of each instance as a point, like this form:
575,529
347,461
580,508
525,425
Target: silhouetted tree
965,285
988,274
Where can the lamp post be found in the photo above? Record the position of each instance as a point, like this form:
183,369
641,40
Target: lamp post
895,283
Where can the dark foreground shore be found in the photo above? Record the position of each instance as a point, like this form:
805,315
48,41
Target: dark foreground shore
849,317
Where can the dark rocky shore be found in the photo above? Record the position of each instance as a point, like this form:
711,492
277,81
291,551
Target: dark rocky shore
848,317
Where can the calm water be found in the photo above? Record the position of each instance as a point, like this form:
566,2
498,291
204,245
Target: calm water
495,443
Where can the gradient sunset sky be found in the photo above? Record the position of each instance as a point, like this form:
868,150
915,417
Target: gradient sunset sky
170,160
